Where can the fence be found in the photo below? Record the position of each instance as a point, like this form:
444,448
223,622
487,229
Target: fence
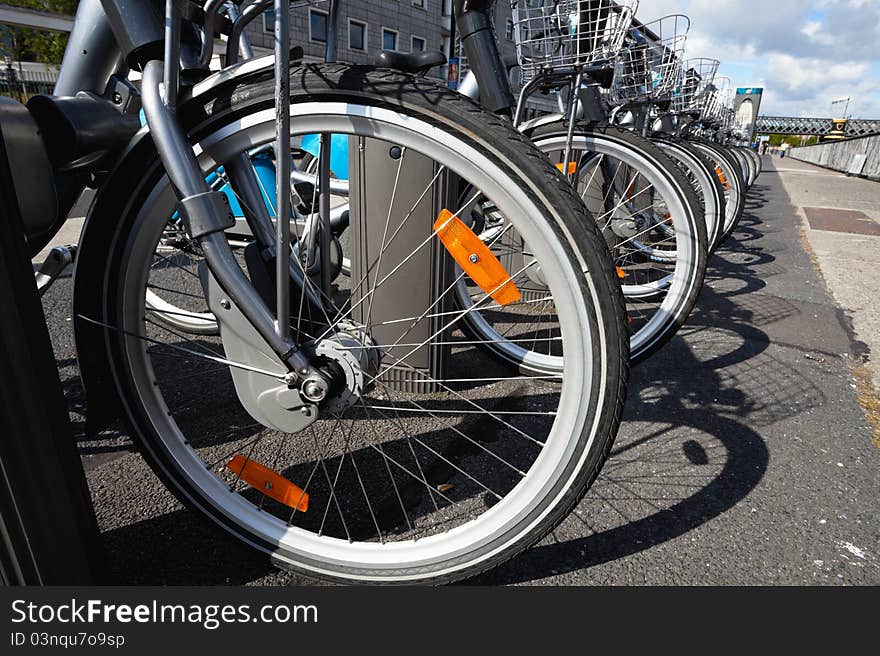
23,83
860,156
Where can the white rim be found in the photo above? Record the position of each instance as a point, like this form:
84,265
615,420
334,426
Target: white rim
494,527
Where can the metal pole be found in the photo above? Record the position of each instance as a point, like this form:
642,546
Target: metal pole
172,54
332,23
282,166
325,160
572,120
244,42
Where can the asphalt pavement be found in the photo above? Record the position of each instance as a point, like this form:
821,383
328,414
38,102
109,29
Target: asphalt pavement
841,217
745,456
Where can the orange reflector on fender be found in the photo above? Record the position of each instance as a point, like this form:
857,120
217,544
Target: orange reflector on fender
270,483
572,167
475,258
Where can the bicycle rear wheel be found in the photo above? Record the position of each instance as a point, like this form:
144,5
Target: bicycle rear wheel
709,190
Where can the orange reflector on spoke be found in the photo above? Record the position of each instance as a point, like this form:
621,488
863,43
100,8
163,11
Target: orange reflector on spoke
621,273
270,483
722,178
572,167
475,258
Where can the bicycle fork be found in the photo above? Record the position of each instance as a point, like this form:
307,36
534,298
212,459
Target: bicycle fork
207,213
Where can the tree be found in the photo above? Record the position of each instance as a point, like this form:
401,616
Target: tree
22,44
779,139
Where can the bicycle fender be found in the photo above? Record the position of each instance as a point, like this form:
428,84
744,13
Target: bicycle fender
93,322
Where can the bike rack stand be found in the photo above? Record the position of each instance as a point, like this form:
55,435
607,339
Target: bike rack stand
48,531
394,313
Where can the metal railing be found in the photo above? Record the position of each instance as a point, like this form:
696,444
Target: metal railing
22,84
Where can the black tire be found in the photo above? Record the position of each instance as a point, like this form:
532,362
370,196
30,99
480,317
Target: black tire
694,219
716,188
526,167
755,158
748,166
733,172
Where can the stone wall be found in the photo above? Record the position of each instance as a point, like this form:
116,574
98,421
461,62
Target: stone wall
839,155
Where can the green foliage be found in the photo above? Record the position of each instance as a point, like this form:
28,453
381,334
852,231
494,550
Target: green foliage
779,139
23,44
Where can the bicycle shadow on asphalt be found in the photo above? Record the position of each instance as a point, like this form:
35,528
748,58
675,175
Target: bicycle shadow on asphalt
689,449
110,442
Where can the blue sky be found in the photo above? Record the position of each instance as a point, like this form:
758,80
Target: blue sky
805,53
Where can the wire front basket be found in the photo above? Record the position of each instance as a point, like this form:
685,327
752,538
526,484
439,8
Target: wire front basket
649,65
717,102
694,86
557,36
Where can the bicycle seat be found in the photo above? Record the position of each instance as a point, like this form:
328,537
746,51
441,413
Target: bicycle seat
417,63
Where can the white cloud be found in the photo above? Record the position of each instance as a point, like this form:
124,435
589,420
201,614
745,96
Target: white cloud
805,52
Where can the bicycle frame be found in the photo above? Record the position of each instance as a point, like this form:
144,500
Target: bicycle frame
112,36
488,80
106,42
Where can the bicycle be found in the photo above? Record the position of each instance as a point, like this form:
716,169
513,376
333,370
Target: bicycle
324,427
691,123
647,209
645,83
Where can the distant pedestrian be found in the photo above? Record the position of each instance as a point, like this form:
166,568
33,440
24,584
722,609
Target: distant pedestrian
783,149
764,148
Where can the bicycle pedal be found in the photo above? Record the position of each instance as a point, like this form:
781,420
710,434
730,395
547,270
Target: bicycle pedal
59,259
306,200
270,483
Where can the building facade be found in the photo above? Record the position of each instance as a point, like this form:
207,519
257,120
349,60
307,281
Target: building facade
367,27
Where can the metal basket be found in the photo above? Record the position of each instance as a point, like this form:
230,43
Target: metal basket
694,84
555,36
718,99
649,65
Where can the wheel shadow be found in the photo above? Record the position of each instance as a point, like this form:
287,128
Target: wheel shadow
688,452
108,442
689,449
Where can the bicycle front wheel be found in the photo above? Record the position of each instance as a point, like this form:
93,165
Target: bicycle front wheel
430,462
651,219
728,171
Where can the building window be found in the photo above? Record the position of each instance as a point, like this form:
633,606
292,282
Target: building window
419,3
418,44
357,35
389,39
317,26
509,33
269,21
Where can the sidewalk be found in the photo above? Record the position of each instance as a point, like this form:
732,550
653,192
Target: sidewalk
841,221
744,456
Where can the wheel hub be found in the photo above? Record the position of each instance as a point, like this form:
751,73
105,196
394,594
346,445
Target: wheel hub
353,358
